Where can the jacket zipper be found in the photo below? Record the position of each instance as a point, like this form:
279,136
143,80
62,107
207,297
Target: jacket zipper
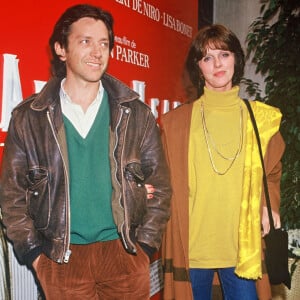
125,240
116,179
67,251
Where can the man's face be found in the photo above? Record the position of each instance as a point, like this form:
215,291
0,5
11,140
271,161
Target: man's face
87,54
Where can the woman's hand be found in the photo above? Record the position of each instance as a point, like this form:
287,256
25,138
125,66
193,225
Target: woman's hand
266,222
150,190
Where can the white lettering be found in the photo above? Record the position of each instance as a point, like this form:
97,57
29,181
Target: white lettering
11,90
137,6
122,41
132,57
151,12
169,21
154,103
166,106
175,104
38,85
177,25
183,28
139,87
124,2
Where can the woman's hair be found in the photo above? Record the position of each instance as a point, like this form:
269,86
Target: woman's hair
214,37
62,29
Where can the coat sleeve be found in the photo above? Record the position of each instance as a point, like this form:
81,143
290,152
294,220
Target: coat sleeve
273,168
19,225
157,174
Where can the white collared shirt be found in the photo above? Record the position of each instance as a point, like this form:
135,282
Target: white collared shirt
81,120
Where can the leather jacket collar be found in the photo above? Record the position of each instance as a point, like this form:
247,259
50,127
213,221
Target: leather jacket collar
117,91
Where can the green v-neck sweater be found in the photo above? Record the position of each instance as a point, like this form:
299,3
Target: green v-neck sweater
90,181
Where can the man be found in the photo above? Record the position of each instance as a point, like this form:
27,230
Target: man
4,267
76,165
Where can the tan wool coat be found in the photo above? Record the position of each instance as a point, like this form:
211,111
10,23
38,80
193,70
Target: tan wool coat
175,249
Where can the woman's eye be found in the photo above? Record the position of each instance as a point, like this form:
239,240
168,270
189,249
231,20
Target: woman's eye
206,58
225,54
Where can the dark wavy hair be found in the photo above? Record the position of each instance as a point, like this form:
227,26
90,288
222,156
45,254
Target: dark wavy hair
215,37
62,27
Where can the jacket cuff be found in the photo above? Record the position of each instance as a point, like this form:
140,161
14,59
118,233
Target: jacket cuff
32,255
147,249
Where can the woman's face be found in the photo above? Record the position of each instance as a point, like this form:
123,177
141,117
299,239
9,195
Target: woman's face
217,68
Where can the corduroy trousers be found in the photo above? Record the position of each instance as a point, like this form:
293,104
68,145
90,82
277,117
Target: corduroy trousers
98,271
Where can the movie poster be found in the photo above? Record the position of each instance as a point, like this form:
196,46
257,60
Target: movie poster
151,42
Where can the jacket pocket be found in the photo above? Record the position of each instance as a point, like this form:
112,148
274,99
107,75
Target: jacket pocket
38,197
136,194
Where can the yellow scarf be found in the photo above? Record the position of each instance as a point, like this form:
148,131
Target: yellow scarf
249,253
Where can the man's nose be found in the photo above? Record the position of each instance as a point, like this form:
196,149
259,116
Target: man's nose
96,50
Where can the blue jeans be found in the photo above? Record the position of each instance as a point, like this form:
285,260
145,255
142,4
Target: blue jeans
233,287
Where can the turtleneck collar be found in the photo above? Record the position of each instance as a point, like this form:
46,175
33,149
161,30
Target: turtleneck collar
221,99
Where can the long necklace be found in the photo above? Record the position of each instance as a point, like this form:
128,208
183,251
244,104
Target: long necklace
208,138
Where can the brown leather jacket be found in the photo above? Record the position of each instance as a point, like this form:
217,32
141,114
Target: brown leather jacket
35,181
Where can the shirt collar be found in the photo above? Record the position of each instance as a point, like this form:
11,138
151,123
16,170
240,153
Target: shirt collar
66,99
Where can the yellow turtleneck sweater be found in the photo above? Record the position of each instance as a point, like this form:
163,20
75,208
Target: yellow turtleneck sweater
214,199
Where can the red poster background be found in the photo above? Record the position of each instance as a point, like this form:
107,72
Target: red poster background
26,26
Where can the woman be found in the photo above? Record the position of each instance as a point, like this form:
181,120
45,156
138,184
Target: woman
218,217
